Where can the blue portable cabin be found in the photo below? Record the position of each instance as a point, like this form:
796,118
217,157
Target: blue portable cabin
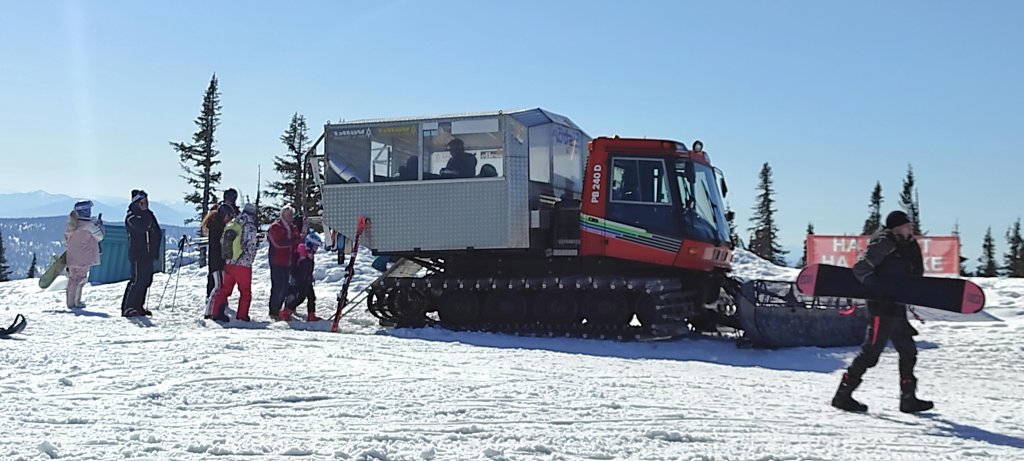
114,265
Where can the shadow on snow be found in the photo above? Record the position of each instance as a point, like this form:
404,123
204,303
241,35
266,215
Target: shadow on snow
968,432
698,349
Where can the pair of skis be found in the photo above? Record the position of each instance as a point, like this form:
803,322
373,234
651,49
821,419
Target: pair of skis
16,327
350,272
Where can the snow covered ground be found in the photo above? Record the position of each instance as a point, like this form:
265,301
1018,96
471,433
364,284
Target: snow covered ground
93,385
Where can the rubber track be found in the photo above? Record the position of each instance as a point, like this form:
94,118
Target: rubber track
671,304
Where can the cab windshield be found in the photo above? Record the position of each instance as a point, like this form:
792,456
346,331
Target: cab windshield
703,213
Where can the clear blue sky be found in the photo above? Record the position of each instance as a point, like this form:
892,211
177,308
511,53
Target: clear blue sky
834,95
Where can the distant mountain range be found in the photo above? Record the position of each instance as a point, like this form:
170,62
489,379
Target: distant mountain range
42,204
33,222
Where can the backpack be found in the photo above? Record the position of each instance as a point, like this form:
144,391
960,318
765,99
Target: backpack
231,241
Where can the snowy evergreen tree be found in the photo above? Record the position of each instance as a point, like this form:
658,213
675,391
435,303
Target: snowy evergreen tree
296,187
960,250
764,238
988,267
5,270
199,157
874,220
909,201
1014,257
803,259
32,267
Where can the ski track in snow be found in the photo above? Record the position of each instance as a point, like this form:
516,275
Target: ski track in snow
91,385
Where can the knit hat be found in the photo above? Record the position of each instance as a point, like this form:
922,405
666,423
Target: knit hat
895,219
138,194
249,208
84,209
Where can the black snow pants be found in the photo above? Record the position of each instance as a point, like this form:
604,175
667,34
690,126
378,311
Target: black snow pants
881,330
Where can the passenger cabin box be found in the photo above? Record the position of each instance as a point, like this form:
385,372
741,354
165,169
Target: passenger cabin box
451,182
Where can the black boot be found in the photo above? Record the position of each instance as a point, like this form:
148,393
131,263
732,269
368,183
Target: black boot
909,403
844,395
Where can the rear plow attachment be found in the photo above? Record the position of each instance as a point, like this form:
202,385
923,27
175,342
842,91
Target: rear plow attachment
774,314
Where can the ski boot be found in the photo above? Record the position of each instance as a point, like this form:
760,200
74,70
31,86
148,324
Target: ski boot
909,403
285,315
132,312
844,395
311,317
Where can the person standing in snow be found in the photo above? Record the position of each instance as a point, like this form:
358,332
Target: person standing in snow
82,249
892,252
214,223
240,244
143,251
283,236
302,274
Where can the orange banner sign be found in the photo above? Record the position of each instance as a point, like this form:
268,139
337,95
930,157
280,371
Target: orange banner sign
941,254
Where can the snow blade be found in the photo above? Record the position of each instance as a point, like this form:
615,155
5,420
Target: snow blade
16,327
774,314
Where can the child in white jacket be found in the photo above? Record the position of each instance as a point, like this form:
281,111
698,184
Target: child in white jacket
81,238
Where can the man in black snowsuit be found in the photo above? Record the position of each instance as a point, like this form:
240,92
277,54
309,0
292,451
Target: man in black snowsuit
143,250
891,253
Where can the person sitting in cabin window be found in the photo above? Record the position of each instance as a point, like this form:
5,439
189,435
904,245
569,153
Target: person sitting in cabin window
410,171
461,164
488,171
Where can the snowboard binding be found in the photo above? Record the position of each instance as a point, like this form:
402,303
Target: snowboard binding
16,327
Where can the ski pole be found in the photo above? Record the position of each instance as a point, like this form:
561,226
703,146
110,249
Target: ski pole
177,277
177,262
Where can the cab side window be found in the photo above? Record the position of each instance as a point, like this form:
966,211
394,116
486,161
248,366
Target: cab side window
639,181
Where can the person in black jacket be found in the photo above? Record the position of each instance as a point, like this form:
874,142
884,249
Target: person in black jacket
143,250
461,164
302,276
215,221
892,253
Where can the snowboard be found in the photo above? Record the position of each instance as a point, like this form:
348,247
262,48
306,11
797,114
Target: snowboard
56,268
948,294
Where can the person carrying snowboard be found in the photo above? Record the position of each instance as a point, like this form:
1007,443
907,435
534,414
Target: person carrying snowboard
302,274
143,251
239,244
892,252
82,249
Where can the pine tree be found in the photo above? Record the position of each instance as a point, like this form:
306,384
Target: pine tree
32,267
1014,257
803,259
296,187
199,157
960,249
5,270
734,236
874,220
765,232
909,201
988,266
